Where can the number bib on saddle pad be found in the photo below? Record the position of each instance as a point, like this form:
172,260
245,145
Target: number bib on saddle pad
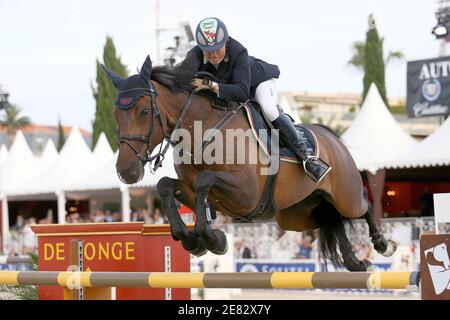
257,122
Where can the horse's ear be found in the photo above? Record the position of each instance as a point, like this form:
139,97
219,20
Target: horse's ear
146,70
117,80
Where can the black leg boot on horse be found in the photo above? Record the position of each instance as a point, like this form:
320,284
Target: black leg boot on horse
180,232
314,167
213,239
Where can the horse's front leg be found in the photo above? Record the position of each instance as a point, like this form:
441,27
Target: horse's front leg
168,189
226,184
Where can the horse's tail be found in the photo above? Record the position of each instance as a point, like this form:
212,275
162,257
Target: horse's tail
332,233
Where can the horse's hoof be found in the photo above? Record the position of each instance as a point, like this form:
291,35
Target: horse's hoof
391,248
194,245
198,252
222,244
367,265
358,265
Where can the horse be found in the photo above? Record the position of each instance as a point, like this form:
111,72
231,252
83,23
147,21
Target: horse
158,101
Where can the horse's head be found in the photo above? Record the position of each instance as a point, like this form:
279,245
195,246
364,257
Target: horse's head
138,119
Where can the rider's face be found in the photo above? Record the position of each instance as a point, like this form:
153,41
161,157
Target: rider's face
215,57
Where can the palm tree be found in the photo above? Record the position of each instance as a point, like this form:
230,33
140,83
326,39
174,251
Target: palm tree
13,122
22,292
358,59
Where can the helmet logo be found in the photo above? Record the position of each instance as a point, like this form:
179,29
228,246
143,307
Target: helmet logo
208,28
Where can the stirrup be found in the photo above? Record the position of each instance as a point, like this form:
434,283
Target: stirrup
309,174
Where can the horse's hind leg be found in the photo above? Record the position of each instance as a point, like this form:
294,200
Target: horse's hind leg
381,245
167,189
333,236
351,262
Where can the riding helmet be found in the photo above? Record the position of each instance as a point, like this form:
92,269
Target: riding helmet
211,34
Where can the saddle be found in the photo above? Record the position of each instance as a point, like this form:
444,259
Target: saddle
258,122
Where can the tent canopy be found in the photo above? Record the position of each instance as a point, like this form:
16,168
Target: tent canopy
374,136
432,151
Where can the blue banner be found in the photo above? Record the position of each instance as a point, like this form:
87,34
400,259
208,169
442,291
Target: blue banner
251,266
15,267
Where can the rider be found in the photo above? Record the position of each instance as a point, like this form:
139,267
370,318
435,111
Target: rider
241,76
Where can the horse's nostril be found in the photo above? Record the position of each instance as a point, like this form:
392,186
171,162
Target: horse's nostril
133,173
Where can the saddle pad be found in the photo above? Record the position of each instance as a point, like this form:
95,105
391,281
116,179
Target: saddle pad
257,122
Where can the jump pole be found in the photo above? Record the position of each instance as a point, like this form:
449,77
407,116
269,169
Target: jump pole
280,280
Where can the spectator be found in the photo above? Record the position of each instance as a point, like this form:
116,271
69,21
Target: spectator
29,238
157,216
73,218
426,203
145,216
305,248
117,217
243,252
149,219
48,219
367,253
98,216
134,216
20,223
108,216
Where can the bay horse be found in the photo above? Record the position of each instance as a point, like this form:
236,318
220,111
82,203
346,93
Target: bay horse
154,103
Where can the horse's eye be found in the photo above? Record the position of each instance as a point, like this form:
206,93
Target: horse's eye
145,112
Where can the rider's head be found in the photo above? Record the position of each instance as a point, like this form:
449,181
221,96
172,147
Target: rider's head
212,36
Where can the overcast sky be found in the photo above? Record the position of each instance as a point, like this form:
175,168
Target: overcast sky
48,48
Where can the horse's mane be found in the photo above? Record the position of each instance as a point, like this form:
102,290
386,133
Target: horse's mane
176,79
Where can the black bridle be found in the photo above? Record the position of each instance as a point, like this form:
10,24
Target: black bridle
156,115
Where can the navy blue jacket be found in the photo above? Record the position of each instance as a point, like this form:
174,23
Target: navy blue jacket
238,74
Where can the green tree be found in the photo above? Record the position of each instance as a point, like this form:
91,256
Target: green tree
13,121
61,137
374,63
105,94
368,57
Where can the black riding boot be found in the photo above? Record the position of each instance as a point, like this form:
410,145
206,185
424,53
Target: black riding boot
315,168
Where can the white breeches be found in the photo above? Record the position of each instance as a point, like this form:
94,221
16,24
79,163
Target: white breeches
267,96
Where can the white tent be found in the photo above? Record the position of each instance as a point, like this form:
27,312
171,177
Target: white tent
106,177
102,151
74,160
48,156
3,155
374,136
432,151
3,201
20,166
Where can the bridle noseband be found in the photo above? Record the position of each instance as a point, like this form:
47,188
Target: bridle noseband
156,115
